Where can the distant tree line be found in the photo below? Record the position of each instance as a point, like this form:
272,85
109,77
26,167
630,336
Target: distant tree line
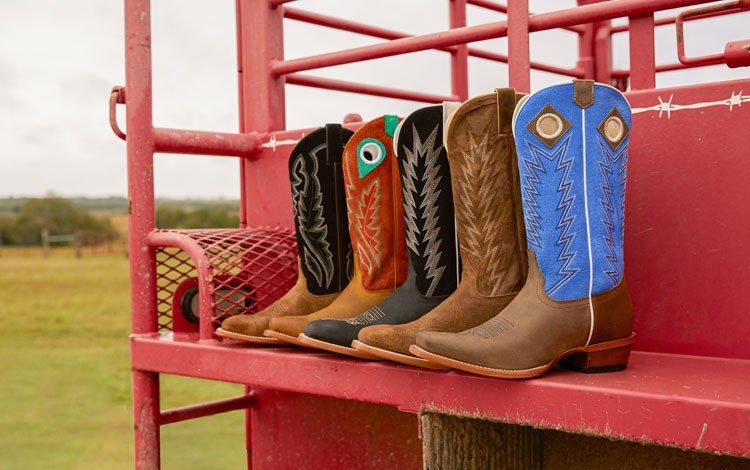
62,216
58,215
169,216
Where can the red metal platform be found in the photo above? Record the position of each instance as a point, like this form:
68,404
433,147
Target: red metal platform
687,261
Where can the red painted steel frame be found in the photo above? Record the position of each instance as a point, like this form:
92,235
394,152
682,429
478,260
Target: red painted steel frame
698,402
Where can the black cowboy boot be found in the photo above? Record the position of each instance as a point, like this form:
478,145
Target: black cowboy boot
430,237
323,243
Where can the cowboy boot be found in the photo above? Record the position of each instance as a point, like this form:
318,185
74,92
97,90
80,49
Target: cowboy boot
487,199
323,243
376,226
430,236
572,143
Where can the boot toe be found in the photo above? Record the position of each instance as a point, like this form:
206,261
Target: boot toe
459,347
332,331
249,324
290,326
388,337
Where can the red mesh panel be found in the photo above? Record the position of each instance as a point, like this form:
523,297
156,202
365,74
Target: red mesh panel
173,266
250,269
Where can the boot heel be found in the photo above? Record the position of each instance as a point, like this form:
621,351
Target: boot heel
594,362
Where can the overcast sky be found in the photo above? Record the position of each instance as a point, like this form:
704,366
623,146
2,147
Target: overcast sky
59,60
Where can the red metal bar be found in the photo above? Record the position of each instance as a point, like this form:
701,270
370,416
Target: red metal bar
249,431
603,52
518,45
146,420
353,87
140,151
203,270
240,107
488,5
540,22
263,109
642,403
116,96
642,57
701,12
382,33
586,51
661,68
211,408
206,143
460,56
275,3
672,19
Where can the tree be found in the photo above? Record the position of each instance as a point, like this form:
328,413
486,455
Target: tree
168,216
58,215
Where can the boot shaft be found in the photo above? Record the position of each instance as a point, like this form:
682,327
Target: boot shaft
486,192
317,183
428,202
375,205
572,144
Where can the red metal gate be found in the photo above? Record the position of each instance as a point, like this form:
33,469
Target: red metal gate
686,249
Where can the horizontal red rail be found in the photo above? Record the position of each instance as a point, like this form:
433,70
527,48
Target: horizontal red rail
661,68
540,22
672,20
210,408
487,5
382,33
205,143
642,403
352,87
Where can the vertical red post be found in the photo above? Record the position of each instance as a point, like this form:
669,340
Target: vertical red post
262,42
603,52
519,69
140,151
241,107
249,431
459,58
642,61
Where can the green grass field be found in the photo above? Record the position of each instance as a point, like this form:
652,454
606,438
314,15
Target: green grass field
65,395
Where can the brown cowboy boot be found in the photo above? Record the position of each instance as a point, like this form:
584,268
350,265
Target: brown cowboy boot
489,222
376,225
575,309
323,242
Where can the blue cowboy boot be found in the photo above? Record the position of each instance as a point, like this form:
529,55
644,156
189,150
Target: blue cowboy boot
575,308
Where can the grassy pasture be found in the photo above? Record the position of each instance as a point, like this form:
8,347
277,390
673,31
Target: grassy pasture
64,373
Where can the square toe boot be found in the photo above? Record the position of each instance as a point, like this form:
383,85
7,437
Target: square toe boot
323,242
489,223
575,309
430,236
376,227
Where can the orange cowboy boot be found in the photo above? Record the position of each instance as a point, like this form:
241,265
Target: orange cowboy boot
376,226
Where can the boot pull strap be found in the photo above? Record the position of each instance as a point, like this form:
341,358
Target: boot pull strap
506,104
334,143
583,93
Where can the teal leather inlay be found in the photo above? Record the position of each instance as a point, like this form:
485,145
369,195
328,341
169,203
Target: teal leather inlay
370,154
391,123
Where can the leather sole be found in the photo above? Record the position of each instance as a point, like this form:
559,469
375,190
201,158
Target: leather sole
247,338
601,357
398,357
316,343
284,338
